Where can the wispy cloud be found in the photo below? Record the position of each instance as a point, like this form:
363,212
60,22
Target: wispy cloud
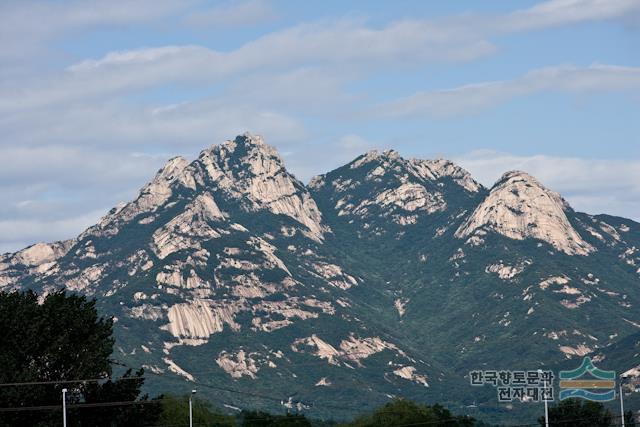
563,12
19,233
30,25
54,192
311,159
335,46
480,96
116,127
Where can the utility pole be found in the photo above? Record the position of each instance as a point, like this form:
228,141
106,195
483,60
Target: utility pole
64,407
191,408
621,402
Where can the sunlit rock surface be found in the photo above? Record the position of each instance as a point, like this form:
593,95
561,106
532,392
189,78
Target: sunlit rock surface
519,207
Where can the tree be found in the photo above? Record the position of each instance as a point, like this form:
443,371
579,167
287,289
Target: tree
175,411
125,389
629,420
264,419
61,338
404,412
579,413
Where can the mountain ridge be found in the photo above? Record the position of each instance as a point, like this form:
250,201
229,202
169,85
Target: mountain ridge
177,164
402,274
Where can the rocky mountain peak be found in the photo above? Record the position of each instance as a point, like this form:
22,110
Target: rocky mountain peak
171,168
429,170
381,158
519,207
245,170
377,186
250,170
519,176
440,168
248,145
390,154
241,157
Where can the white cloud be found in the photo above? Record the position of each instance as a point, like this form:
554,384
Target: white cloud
563,12
117,128
341,45
72,166
594,186
55,192
480,96
337,45
320,156
19,233
30,25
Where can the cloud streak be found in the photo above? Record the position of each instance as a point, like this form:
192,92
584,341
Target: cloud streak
339,44
564,12
31,25
477,97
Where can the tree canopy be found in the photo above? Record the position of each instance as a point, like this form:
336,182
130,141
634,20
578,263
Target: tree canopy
404,412
175,410
583,413
57,340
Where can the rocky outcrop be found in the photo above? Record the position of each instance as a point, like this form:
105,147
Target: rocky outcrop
519,207
248,169
441,168
385,186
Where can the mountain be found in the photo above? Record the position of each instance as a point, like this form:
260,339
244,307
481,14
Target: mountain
385,277
519,207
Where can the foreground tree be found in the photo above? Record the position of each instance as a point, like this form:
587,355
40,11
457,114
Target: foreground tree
579,413
61,338
264,419
175,410
402,412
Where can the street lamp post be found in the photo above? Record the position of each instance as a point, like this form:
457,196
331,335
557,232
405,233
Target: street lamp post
64,407
621,402
191,408
546,408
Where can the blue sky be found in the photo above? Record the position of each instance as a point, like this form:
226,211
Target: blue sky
96,95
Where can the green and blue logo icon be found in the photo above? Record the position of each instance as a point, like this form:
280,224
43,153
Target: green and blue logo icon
596,385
